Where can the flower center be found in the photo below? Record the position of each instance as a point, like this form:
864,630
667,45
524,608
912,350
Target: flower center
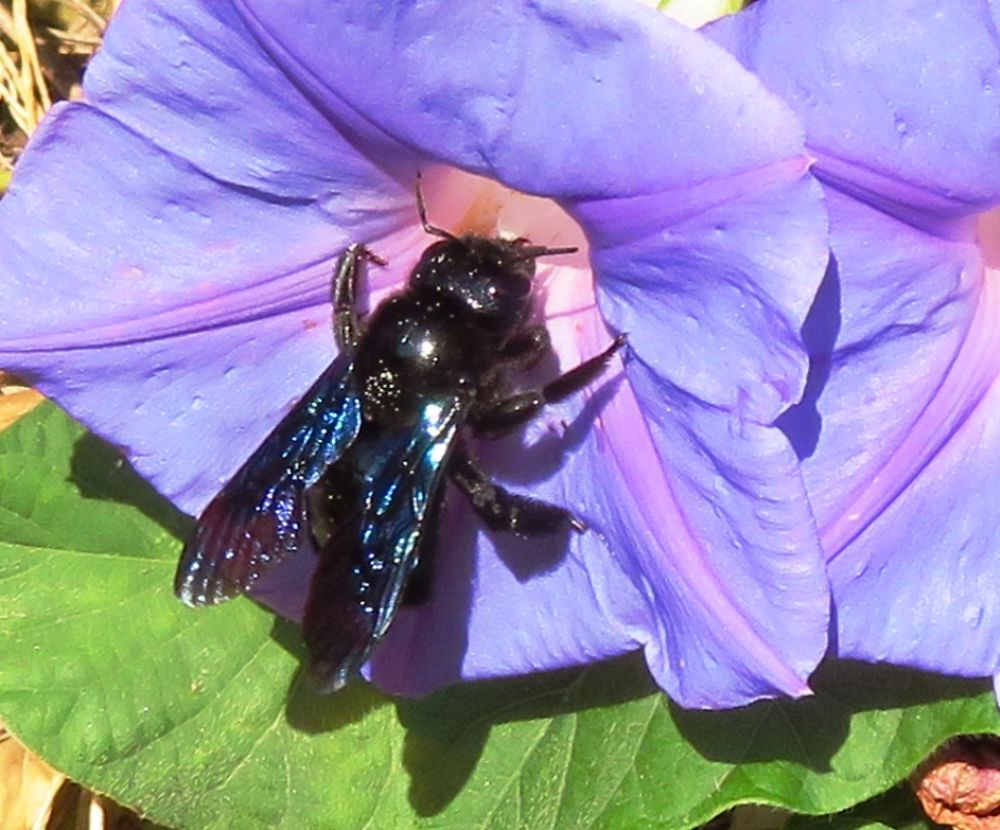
465,203
989,238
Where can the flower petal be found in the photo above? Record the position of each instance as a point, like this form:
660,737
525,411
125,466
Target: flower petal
564,99
192,78
704,500
899,445
517,607
901,101
698,498
139,287
916,586
751,572
201,165
893,430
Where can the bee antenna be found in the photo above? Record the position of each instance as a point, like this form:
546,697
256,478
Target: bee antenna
422,210
536,251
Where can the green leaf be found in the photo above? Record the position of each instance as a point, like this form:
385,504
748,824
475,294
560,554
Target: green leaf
897,809
198,718
706,9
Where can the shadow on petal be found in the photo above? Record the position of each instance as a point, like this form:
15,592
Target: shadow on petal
540,460
520,459
802,422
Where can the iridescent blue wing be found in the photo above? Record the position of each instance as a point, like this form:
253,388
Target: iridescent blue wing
365,565
259,517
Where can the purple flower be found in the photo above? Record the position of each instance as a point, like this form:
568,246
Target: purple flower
899,431
167,248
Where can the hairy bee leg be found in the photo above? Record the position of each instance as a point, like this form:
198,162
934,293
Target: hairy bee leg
346,326
502,510
517,409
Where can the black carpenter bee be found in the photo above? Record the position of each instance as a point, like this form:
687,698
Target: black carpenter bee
356,469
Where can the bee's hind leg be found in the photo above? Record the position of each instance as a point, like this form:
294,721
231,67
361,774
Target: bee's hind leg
502,510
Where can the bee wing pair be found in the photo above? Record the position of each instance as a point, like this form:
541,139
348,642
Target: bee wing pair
367,562
258,519
263,516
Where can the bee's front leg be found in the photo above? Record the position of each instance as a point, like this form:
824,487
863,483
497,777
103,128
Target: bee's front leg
346,325
501,416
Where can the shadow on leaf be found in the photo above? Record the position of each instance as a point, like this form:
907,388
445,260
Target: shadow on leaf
447,731
101,472
809,731
313,712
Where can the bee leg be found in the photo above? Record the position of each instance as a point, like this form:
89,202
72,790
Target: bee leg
511,412
346,326
502,510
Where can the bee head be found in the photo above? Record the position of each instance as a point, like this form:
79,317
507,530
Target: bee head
489,279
